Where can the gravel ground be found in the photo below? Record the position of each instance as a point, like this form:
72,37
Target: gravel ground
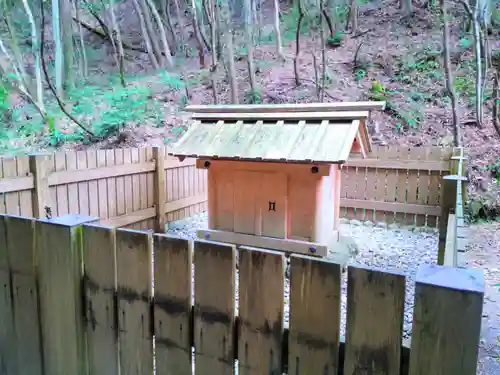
388,248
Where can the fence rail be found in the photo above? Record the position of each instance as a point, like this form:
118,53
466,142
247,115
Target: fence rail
78,298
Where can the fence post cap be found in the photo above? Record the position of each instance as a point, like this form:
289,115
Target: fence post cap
70,220
462,279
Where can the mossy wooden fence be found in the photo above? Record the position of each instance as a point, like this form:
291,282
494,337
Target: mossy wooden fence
80,298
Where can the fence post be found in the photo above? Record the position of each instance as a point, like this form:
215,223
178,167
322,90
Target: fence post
160,193
59,253
41,193
447,320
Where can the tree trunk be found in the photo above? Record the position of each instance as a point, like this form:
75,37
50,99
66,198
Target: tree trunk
232,67
151,31
496,99
68,48
116,30
249,41
35,43
197,34
85,66
180,19
279,48
144,32
353,17
163,35
56,31
457,136
297,44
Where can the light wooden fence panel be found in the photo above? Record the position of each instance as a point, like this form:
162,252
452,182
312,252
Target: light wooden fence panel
395,185
186,188
122,320
118,186
15,186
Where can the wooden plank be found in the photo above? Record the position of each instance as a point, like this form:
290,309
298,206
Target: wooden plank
24,294
134,278
261,278
289,168
404,164
41,193
83,185
295,107
288,245
346,115
214,291
58,244
120,183
102,191
131,218
111,186
247,216
11,199
62,204
273,204
447,320
73,198
172,305
160,193
93,192
8,351
222,213
450,251
391,207
99,287
392,178
314,330
89,174
12,184
136,183
173,162
23,169
375,315
185,202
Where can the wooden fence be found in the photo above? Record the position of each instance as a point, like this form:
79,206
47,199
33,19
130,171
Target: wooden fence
396,184
453,231
140,187
92,300
136,188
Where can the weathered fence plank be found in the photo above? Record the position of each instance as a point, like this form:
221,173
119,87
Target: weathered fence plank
314,316
58,250
214,290
8,353
24,294
447,321
261,278
172,305
134,292
99,286
375,313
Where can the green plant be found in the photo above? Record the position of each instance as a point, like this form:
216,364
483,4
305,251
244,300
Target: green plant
335,40
253,97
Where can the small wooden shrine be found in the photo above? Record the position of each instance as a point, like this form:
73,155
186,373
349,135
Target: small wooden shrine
274,170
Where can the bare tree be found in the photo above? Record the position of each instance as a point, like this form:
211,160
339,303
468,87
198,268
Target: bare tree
457,136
